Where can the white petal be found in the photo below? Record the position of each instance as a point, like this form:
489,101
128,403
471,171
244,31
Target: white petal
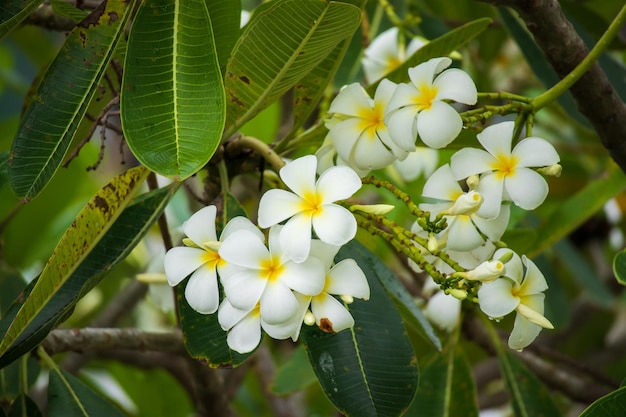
494,228
295,237
462,234
402,127
384,92
491,187
351,101
495,298
201,226
278,304
202,292
455,84
443,310
347,278
421,161
497,138
441,185
182,261
523,334
290,328
526,188
425,72
228,316
535,152
334,225
299,174
241,223
345,135
330,314
370,153
439,125
470,161
385,138
245,336
534,281
514,267
276,206
337,183
244,289
403,96
244,248
306,277
324,252
374,69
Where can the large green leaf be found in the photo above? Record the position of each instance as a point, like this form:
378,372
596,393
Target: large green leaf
24,406
294,375
203,336
13,12
282,43
613,404
122,237
370,369
62,97
172,103
69,397
446,388
225,19
441,46
74,248
578,208
529,396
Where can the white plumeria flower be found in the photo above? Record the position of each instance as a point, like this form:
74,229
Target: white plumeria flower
244,327
327,157
506,174
420,109
259,274
385,53
463,212
310,205
422,161
200,258
345,279
357,128
442,310
518,291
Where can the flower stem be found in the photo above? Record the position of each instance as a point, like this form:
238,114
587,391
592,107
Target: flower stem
571,78
261,148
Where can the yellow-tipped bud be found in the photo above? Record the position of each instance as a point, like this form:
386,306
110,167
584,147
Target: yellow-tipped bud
458,293
472,182
552,170
152,278
309,318
377,209
534,316
432,245
348,299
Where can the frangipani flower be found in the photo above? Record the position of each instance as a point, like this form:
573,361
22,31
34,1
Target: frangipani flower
520,291
310,204
506,174
442,309
422,161
357,129
463,212
385,53
420,107
327,158
345,279
266,276
200,258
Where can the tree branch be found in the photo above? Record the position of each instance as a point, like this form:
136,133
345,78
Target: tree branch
595,97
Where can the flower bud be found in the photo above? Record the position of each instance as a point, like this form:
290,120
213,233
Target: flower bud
472,182
552,170
309,318
377,209
348,299
485,272
458,293
534,317
466,204
432,245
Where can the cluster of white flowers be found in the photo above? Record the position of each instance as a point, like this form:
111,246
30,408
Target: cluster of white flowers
291,280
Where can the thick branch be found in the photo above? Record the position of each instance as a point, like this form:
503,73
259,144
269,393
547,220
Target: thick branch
84,340
564,49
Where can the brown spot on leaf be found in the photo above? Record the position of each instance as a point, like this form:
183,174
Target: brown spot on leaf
113,17
236,100
326,325
245,79
83,38
93,17
101,203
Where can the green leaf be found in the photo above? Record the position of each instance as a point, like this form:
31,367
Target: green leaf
172,100
62,97
529,396
203,336
13,12
24,406
12,284
613,404
405,303
295,375
11,377
619,267
577,209
281,44
69,397
51,289
4,168
225,19
442,46
370,369
65,9
446,388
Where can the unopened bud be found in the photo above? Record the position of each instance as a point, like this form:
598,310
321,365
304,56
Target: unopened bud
485,272
377,209
152,278
466,204
472,182
552,170
458,293
506,257
213,245
189,242
309,318
432,245
348,299
534,317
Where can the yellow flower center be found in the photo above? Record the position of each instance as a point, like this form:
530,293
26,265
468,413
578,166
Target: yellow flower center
392,64
312,203
371,120
426,96
505,165
271,268
212,258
